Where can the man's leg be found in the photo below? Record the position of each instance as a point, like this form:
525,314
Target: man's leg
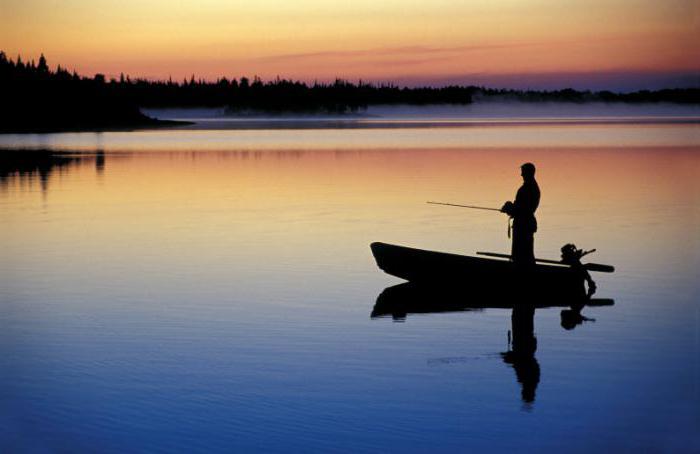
523,249
529,248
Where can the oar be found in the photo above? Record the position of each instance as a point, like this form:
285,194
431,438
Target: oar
464,206
589,266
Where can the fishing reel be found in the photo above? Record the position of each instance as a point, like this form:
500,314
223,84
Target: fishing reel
508,208
571,255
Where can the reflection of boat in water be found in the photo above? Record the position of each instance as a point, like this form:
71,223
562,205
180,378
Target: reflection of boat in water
483,276
413,298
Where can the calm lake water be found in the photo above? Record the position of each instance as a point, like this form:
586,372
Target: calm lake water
208,290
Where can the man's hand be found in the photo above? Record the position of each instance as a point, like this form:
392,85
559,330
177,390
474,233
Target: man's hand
507,208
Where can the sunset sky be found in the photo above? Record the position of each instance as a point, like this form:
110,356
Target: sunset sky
616,44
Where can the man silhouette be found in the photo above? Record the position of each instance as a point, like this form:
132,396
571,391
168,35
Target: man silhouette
522,210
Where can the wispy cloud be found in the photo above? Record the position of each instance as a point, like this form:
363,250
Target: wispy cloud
419,53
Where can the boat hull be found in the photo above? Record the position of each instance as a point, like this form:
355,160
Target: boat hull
483,276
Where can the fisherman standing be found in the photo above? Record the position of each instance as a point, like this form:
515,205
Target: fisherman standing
522,210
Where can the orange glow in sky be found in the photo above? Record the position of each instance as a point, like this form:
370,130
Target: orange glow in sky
387,40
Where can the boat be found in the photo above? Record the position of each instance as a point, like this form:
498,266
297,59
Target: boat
483,276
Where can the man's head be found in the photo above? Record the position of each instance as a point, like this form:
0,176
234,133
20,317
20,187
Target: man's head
527,170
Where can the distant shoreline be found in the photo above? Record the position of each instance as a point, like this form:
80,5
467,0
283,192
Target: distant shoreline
245,124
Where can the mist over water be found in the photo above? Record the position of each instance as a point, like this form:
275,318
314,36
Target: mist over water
479,110
211,290
486,125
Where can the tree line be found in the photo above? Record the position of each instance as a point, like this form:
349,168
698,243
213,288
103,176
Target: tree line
38,98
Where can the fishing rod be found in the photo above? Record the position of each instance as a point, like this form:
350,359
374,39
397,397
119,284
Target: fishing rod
464,206
475,208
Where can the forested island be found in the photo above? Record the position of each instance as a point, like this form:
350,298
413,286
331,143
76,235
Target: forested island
36,98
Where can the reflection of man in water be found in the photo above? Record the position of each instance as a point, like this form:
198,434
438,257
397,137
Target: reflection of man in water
522,356
522,210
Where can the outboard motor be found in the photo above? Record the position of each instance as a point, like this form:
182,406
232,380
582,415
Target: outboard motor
571,255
